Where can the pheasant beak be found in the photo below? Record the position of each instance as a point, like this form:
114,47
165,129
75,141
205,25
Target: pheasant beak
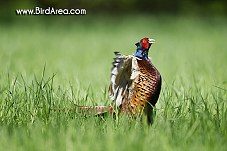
151,41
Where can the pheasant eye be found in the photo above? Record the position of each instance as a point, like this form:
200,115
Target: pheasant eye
144,41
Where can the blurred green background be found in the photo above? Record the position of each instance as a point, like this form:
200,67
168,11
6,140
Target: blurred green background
207,7
189,35
190,52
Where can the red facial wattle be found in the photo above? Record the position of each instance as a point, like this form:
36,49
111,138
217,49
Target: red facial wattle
145,43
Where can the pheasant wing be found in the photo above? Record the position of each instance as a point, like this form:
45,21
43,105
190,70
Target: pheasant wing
120,77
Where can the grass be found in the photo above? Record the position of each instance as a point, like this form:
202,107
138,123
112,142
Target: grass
57,63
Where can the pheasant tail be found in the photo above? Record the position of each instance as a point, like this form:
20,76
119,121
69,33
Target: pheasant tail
95,110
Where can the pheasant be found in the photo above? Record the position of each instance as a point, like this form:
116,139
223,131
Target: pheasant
135,84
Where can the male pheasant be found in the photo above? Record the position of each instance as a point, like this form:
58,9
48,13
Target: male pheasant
135,83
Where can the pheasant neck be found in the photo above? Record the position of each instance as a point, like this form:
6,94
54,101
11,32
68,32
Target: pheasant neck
142,54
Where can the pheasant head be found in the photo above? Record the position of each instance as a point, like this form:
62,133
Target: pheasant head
143,47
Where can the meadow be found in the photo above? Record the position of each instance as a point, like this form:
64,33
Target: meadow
48,65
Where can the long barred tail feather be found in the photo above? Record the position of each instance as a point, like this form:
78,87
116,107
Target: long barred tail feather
96,110
88,110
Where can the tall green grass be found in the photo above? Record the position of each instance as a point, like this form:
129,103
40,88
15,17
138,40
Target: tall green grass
47,67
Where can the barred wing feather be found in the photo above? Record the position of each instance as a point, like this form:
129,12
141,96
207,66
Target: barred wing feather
120,77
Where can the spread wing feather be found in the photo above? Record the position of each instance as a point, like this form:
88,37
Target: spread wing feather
120,77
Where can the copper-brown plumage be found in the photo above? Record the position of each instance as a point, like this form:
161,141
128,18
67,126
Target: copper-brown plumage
146,86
